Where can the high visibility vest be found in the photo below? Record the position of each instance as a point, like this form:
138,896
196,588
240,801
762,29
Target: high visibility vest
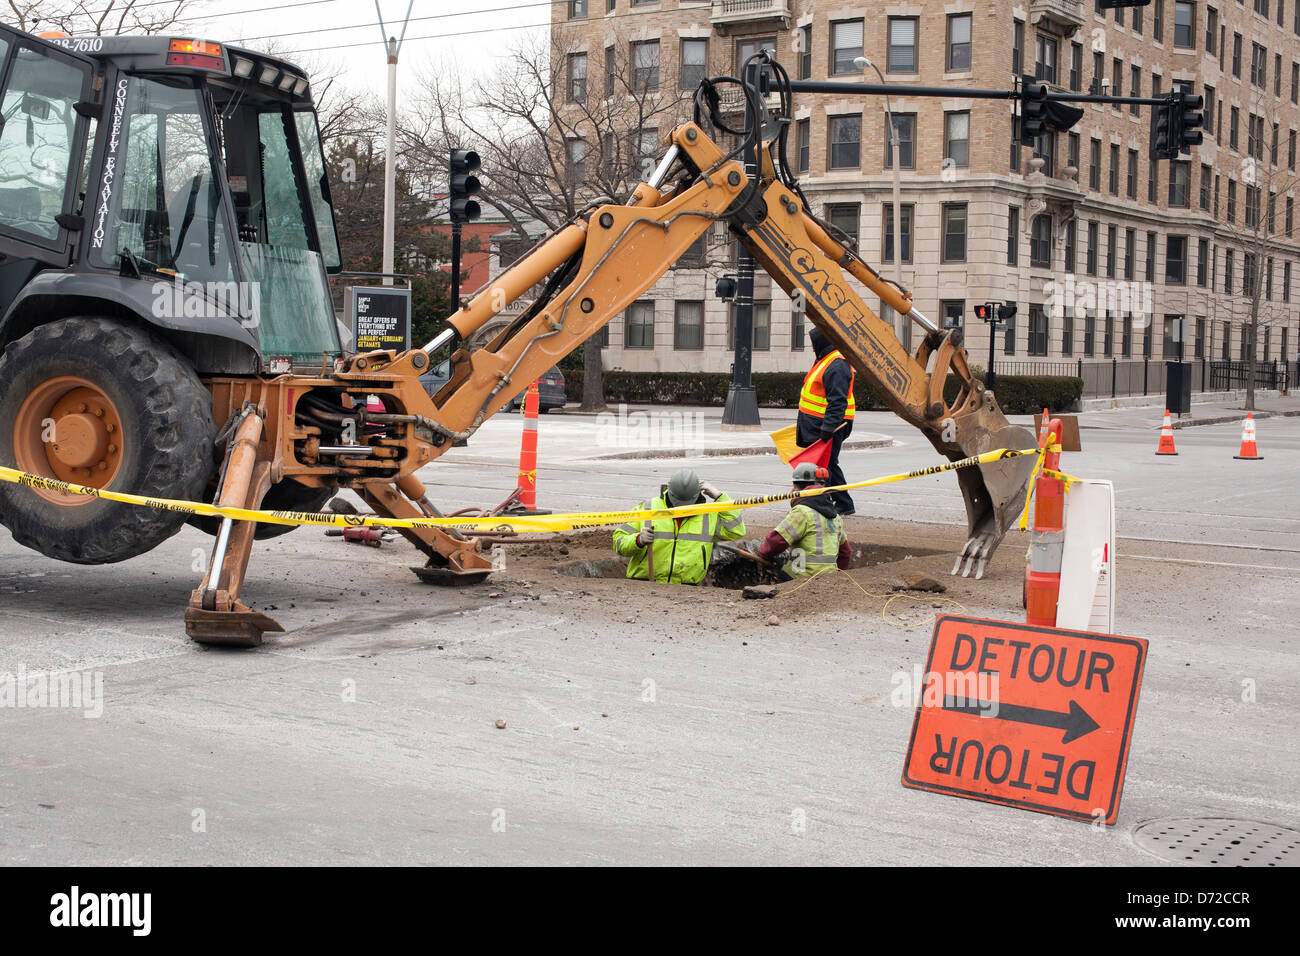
680,555
814,541
812,397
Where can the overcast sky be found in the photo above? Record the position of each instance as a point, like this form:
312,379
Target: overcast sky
471,35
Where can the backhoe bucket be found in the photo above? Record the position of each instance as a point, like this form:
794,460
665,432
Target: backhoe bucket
995,492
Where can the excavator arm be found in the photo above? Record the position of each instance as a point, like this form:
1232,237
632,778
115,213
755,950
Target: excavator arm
610,255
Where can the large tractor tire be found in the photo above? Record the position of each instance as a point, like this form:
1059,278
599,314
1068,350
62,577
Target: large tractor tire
101,403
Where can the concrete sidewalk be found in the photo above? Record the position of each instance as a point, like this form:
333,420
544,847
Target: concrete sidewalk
1203,413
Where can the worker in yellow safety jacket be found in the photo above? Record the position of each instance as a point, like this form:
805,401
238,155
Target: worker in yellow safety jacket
826,410
677,550
812,535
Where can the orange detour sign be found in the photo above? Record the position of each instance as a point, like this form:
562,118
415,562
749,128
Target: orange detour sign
1033,717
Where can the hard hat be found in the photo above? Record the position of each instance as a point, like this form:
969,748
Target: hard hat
806,473
683,488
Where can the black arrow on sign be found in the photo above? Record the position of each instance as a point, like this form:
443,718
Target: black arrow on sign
1077,723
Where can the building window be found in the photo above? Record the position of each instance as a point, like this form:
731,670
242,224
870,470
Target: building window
1013,235
1227,271
1090,254
951,311
1208,113
844,217
577,9
1070,228
1018,47
1114,169
1227,341
1232,200
1173,337
1112,251
905,123
695,57
1153,181
645,66
1037,330
904,232
1094,164
902,45
1203,263
1236,55
749,46
954,232
1151,257
1290,151
1134,88
1211,30
640,330
845,141
804,128
805,56
688,326
1098,66
1176,260
577,77
1045,149
1180,172
1040,242
846,46
1185,25
1108,334
1290,214
1009,341
1130,252
1158,21
956,138
1076,67
760,339
1286,288
1249,273
576,161
1126,335
1015,144
1072,151
1089,332
959,42
1232,127
611,70
797,325
1205,186
1067,331
1116,80
1045,58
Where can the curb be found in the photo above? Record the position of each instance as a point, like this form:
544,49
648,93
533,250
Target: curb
883,441
1232,418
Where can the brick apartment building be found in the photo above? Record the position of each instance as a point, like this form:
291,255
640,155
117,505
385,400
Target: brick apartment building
1103,251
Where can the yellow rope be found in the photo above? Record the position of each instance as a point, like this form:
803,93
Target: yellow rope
889,599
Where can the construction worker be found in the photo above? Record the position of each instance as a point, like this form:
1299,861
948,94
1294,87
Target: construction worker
677,550
826,410
812,532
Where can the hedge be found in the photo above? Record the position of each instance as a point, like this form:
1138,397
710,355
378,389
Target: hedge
1017,394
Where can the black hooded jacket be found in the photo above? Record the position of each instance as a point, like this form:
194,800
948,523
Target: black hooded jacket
837,379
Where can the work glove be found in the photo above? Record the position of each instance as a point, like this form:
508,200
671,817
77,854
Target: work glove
709,491
644,538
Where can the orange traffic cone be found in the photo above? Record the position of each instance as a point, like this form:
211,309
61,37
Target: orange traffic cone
1166,446
1248,450
528,451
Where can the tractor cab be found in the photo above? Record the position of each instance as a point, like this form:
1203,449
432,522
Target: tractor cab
179,180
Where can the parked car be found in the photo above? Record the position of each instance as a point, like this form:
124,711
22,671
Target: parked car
550,387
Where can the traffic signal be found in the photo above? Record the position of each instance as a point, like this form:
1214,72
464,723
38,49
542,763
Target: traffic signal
1033,109
987,311
1188,121
1006,311
1163,144
464,185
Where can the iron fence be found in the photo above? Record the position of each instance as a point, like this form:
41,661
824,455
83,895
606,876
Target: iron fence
1120,378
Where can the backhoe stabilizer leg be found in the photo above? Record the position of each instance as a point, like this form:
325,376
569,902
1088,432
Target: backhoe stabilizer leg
453,559
215,614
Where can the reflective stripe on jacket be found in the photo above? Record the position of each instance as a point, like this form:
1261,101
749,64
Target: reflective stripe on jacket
814,541
680,555
812,397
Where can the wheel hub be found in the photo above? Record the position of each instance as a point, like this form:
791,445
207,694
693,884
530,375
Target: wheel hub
68,428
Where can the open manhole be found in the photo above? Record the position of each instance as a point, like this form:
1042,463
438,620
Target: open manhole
730,570
1216,841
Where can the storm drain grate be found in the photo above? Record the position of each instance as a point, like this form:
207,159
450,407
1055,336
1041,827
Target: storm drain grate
1213,841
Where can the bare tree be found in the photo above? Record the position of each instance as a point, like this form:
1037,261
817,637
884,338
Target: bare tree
554,134
100,17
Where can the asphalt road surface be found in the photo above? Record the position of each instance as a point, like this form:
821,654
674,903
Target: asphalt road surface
666,725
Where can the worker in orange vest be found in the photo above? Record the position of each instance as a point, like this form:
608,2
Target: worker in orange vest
826,410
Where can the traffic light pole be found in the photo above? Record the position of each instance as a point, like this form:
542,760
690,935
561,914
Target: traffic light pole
455,266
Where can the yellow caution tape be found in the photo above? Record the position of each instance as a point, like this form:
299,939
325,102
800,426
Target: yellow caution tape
1039,469
562,522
